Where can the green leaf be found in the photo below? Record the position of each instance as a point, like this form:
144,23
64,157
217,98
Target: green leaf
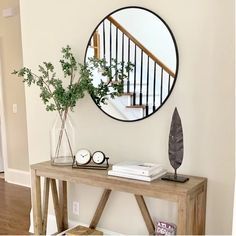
56,95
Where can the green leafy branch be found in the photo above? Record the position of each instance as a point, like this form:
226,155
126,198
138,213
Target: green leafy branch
54,95
61,95
57,97
115,73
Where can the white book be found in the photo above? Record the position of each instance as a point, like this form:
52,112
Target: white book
137,177
138,168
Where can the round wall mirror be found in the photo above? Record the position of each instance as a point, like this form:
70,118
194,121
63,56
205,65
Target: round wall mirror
136,36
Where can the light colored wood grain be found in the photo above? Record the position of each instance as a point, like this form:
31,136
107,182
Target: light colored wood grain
63,203
36,202
141,46
183,206
145,213
100,208
15,205
45,204
96,44
136,106
201,210
191,217
196,211
190,196
157,188
128,94
82,230
56,205
2,175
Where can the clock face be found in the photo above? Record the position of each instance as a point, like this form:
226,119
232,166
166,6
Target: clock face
98,157
82,156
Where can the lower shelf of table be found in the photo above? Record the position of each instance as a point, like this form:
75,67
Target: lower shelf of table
81,230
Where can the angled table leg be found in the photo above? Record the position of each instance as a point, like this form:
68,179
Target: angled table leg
100,208
36,202
145,213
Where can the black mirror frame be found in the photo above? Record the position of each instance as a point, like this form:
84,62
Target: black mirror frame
176,51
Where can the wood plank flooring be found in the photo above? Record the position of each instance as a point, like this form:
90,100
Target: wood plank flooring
2,175
15,205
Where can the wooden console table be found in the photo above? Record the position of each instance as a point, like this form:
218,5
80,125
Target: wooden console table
190,196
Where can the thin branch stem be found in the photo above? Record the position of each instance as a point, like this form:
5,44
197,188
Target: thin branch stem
51,93
63,120
72,76
62,130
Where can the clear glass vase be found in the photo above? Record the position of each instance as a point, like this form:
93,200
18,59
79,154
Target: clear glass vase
62,140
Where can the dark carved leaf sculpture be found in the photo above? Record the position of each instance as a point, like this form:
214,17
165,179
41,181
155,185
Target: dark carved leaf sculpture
176,144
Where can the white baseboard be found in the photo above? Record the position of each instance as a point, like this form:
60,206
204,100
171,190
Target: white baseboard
52,226
18,177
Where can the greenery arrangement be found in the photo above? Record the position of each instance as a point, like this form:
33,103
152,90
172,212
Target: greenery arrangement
115,72
61,95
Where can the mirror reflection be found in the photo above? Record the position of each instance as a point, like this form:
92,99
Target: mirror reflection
137,36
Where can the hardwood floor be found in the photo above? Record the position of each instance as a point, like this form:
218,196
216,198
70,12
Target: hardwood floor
1,175
15,207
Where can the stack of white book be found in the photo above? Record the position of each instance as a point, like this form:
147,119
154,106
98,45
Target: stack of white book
137,170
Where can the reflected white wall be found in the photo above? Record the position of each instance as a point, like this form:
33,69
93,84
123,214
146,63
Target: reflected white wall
150,31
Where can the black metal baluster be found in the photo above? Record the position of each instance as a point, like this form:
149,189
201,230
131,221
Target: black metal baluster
134,92
104,41
110,42
161,88
141,81
169,84
154,88
128,79
122,53
147,89
116,50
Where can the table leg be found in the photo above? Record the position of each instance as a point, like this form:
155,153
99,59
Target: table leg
100,208
56,205
145,213
201,210
192,212
36,202
63,203
182,216
45,204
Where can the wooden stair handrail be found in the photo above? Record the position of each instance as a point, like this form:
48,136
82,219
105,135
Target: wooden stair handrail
141,46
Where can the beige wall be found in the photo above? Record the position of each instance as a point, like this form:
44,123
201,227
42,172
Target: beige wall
13,89
204,95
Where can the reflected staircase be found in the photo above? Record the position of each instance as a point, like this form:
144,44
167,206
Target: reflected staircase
148,85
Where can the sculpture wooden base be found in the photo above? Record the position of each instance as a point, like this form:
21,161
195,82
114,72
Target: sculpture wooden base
175,178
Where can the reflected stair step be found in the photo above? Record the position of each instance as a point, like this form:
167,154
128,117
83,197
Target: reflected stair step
138,94
128,94
136,106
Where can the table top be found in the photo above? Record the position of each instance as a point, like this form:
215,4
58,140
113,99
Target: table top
157,188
